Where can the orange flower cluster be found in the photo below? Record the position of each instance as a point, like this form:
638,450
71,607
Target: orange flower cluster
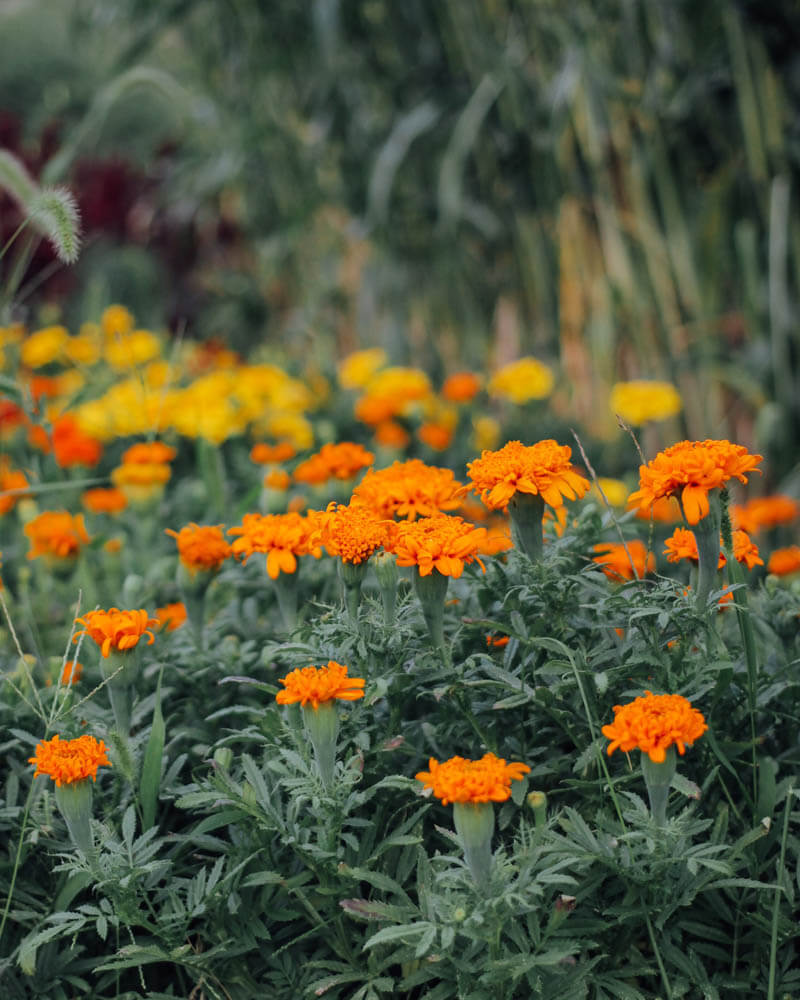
653,723
316,685
271,454
104,500
334,461
410,489
461,780
351,532
541,469
115,629
56,534
281,537
615,562
683,545
692,468
171,616
68,761
764,512
782,562
201,548
144,471
441,543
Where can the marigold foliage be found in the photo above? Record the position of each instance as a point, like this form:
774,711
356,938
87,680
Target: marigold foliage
691,469
653,723
619,564
543,468
281,537
116,630
56,534
410,489
442,543
316,685
68,761
201,548
461,780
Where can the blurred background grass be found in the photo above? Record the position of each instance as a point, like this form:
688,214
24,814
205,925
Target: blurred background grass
610,186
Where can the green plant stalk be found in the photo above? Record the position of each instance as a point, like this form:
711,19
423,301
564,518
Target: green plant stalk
706,533
657,953
658,777
322,726
527,511
773,940
17,859
474,823
431,591
286,592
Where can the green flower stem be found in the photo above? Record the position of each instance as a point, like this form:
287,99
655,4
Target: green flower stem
658,778
527,512
193,588
388,575
431,591
74,801
322,727
474,823
706,533
120,670
286,591
352,576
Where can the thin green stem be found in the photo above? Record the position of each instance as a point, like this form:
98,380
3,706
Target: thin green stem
657,953
17,858
773,941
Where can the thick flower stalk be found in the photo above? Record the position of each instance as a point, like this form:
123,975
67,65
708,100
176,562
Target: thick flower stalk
70,763
315,690
524,478
656,724
472,786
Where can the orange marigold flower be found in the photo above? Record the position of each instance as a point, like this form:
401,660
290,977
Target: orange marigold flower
72,672
115,629
543,468
390,434
440,542
277,479
461,387
683,545
270,454
316,685
281,537
351,532
691,468
56,534
141,474
461,780
171,616
436,436
498,641
410,489
782,562
11,480
653,723
334,461
764,512
104,500
146,453
72,445
665,510
615,562
201,548
68,761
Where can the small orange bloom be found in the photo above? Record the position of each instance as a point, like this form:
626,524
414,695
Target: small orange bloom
351,532
71,673
146,453
390,434
615,562
11,480
104,500
461,780
171,616
68,761
764,512
498,641
461,387
316,685
281,537
683,545
410,489
440,542
201,548
72,445
436,436
654,723
334,461
691,468
270,454
115,629
56,534
543,468
277,479
782,562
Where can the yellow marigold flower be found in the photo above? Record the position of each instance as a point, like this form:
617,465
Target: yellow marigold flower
351,532
357,369
201,548
132,349
71,672
171,616
764,512
410,489
616,564
461,780
522,380
293,427
654,723
543,468
56,534
392,393
784,562
334,461
148,452
104,500
82,349
639,401
485,433
441,542
116,321
691,468
461,387
68,761
44,346
115,629
281,537
316,685
683,545
616,492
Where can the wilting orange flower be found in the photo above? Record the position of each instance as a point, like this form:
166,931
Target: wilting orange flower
72,445
316,685
281,537
104,500
653,723
201,548
440,542
115,629
71,673
683,545
691,468
461,780
56,534
146,453
435,436
782,562
68,761
270,454
390,434
461,387
171,616
543,468
764,512
410,489
615,562
10,480
351,532
334,461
